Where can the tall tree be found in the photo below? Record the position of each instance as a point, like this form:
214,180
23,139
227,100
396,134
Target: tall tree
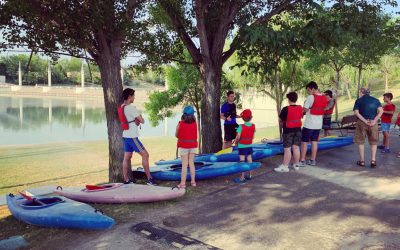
203,26
107,30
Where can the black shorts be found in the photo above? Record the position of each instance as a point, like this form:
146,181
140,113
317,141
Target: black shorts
291,138
230,131
326,122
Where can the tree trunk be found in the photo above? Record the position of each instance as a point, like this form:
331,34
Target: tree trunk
210,107
199,128
110,68
359,80
278,101
337,94
348,91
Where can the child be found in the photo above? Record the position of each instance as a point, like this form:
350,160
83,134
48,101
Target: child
244,140
326,121
386,120
290,119
186,132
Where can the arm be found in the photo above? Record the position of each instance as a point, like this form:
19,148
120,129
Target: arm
359,116
236,141
177,130
377,117
139,119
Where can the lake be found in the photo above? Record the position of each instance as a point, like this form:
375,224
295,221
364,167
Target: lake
25,120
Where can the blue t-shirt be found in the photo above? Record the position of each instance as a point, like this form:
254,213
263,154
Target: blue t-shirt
367,106
229,109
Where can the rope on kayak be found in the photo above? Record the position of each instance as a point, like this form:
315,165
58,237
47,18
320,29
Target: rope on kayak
59,188
98,210
11,195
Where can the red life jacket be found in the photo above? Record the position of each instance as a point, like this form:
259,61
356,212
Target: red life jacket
247,134
319,105
330,111
122,117
398,120
187,135
294,115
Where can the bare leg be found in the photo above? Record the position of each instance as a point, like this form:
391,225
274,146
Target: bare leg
227,144
296,154
192,168
185,159
249,159
385,139
241,157
303,151
287,155
126,165
361,151
314,150
145,163
373,152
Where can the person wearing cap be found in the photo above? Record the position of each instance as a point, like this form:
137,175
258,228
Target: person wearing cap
244,140
228,114
368,110
131,138
186,132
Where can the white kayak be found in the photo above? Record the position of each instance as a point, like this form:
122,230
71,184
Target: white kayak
121,193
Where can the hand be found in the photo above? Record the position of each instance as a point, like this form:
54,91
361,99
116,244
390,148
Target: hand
137,122
229,118
372,123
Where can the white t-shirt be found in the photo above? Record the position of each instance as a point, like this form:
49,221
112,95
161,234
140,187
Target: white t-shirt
312,121
131,113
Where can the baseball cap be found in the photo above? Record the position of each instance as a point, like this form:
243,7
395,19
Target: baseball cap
246,113
188,110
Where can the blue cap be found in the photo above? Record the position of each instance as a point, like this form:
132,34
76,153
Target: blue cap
188,110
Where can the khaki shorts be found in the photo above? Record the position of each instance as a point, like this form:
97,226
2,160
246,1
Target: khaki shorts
363,130
185,151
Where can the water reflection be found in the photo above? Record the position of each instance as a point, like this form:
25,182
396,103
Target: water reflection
31,120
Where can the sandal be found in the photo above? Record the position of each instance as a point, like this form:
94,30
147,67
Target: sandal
193,184
180,186
361,163
373,164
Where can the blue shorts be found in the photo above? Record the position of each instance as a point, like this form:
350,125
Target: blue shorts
133,145
385,127
245,151
309,134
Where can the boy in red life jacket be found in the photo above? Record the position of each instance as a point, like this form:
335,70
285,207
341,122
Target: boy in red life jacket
130,118
386,120
326,121
186,132
290,119
314,109
244,140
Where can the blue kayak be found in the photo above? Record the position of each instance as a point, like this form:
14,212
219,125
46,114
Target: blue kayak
57,212
258,154
263,150
204,170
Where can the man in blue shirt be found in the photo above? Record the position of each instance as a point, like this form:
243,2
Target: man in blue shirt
228,114
368,110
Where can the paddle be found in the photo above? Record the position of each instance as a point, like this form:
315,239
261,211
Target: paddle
225,151
29,198
93,187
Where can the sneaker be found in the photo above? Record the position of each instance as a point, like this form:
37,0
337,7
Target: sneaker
281,168
239,180
151,182
386,150
381,147
129,182
296,167
301,164
311,162
248,177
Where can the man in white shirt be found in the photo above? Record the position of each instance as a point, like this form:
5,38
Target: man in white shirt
131,138
314,109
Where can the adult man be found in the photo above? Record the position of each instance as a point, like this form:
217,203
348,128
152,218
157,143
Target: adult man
368,110
131,119
314,108
228,114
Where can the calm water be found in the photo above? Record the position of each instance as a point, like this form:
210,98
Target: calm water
36,121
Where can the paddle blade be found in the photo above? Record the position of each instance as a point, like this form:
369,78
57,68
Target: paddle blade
225,151
26,196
